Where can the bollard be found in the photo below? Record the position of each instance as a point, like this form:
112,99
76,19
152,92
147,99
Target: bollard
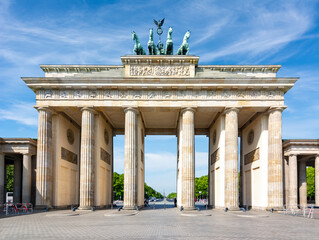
206,206
181,208
136,208
226,209
153,205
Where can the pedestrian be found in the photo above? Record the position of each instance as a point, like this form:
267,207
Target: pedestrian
175,202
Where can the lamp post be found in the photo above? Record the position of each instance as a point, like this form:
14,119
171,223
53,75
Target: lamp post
200,194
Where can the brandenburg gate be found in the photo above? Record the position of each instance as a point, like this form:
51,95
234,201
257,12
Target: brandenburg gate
81,108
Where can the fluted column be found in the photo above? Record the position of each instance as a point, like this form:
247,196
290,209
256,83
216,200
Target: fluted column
188,159
231,159
26,178
302,184
286,178
275,163
2,180
317,180
87,172
293,181
44,159
130,158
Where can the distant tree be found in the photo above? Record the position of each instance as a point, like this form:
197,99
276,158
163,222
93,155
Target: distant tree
310,182
172,195
118,187
150,192
201,185
10,172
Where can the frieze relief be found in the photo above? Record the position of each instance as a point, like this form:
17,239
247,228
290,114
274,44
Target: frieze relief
159,70
251,156
162,94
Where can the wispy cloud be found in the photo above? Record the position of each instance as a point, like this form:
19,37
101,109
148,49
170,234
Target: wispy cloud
22,112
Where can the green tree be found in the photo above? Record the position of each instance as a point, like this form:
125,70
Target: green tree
201,185
10,171
172,195
310,182
150,192
118,185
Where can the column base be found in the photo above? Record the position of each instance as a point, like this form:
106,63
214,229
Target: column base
233,208
276,208
129,208
42,207
85,207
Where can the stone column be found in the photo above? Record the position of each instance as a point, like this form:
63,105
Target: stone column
275,165
286,178
302,184
231,158
44,159
317,180
26,178
17,181
87,173
130,158
2,180
188,159
293,182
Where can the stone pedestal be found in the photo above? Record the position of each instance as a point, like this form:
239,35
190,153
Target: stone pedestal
293,182
317,180
26,178
87,172
188,159
17,182
231,159
302,184
275,160
2,180
44,159
130,159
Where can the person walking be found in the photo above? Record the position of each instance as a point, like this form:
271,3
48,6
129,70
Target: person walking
175,202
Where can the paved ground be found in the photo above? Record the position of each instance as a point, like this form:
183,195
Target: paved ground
157,224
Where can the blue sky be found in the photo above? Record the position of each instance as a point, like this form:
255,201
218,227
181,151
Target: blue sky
99,32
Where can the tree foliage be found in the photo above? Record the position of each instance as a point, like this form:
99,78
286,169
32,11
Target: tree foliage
118,187
201,185
172,195
10,172
150,192
310,182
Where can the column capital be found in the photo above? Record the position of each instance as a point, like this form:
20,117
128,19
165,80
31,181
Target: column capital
90,109
292,155
228,109
134,109
46,109
188,109
276,108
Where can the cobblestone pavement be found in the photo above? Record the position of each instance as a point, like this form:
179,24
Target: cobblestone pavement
157,224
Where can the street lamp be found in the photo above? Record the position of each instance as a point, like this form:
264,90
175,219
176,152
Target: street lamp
200,194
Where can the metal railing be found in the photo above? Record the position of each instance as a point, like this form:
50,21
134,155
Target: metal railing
306,211
17,208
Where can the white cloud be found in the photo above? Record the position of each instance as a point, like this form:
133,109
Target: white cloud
22,112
